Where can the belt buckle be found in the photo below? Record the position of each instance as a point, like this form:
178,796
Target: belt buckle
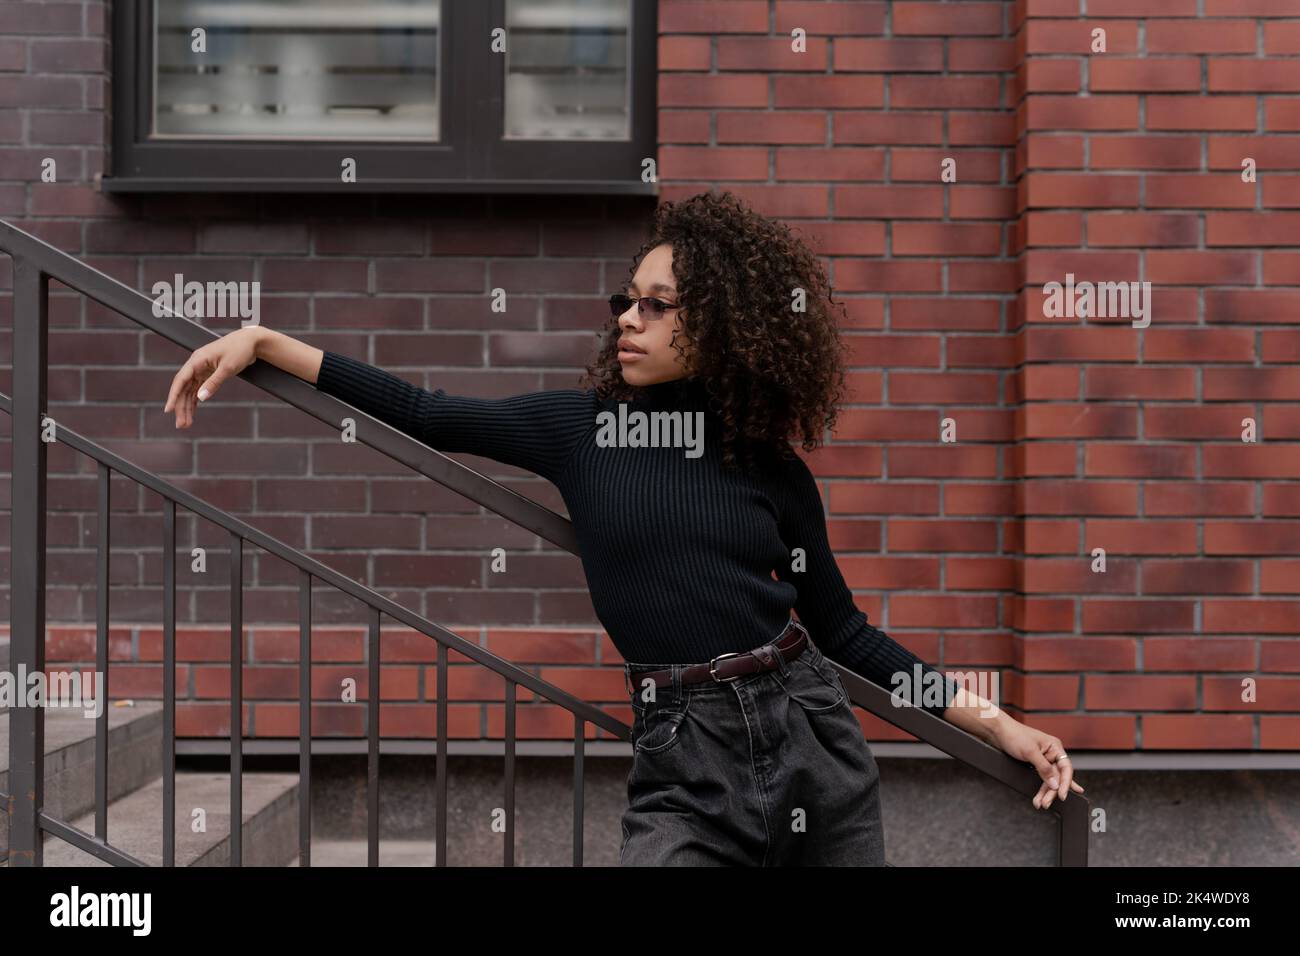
713,666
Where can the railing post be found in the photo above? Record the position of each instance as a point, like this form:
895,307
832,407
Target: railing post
27,554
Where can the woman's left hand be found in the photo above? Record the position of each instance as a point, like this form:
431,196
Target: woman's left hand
1046,753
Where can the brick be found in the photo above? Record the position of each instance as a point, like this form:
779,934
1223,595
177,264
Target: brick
1269,76
49,91
839,163
1252,229
685,53
1049,151
1250,8
1075,36
265,237
1200,36
1067,654
1279,733
134,236
924,165
947,239
1281,115
1108,75
1281,38
845,238
1054,228
68,56
982,277
786,127
845,91
1142,229
906,128
1201,268
1249,307
1075,112
744,163
960,19
315,275
771,54
944,92
1142,8
1200,654
13,55
1199,192
1269,152
1282,191
1139,692
835,19
984,54
1197,731
1053,76
1200,113
868,275
889,202
981,202
888,56
1144,152
413,276
45,19
749,16
788,200
724,89
684,126
64,127
1047,8
1063,189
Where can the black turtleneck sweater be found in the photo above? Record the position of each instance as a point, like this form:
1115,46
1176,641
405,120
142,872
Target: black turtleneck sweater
679,552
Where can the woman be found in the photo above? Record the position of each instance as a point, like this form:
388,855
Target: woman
699,530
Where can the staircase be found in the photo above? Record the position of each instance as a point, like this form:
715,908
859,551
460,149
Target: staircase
135,791
118,817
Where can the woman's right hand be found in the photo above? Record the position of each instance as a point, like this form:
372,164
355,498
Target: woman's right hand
209,366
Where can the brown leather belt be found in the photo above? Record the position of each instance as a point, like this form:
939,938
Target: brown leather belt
736,664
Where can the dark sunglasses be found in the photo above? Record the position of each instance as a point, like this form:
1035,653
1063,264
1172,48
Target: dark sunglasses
646,305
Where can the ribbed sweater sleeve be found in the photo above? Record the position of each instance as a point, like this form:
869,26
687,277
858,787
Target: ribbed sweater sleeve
536,431
825,604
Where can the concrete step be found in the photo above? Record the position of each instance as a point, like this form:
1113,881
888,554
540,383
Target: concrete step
134,757
336,852
270,822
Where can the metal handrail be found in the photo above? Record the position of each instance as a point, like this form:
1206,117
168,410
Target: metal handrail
311,568
246,532
138,307
35,261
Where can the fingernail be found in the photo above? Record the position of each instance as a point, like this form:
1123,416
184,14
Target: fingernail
203,394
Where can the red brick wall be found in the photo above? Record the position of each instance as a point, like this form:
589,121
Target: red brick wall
1130,440
1071,434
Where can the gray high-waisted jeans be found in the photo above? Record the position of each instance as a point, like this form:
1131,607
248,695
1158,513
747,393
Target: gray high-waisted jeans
770,769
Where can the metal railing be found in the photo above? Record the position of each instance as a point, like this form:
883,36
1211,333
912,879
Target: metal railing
36,262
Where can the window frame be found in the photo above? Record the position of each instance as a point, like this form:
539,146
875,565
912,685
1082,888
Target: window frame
471,157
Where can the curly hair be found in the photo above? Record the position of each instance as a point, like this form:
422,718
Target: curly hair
773,373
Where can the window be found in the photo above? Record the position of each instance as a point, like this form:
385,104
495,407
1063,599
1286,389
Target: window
383,95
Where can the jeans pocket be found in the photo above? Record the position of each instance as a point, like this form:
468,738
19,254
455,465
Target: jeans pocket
656,726
812,684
